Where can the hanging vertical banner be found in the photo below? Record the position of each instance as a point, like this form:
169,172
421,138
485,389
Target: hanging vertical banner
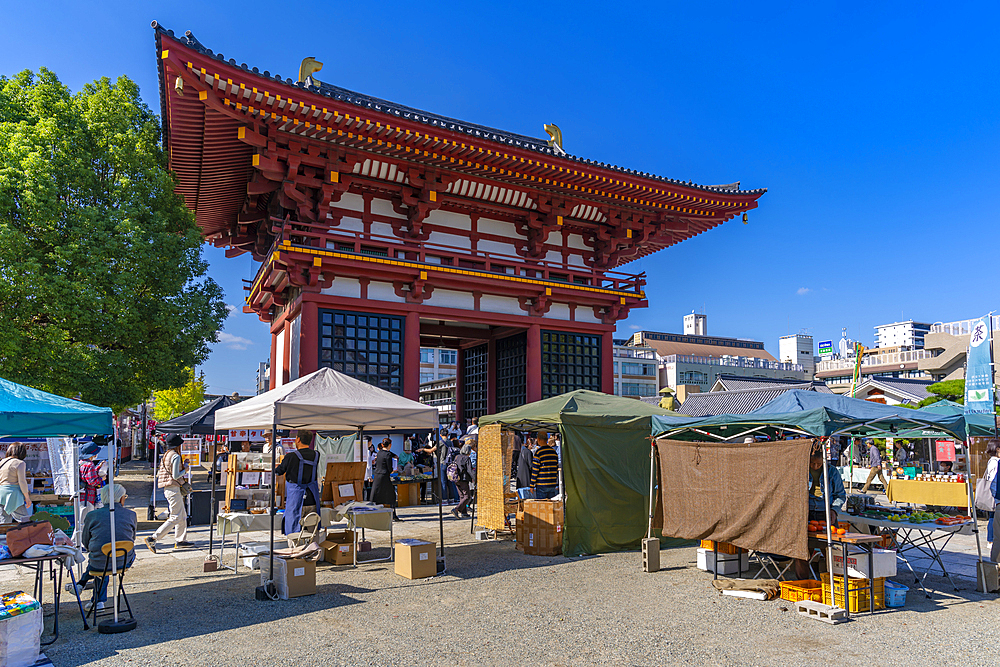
979,369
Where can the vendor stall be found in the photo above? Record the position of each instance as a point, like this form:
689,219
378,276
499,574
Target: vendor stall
605,453
326,401
808,414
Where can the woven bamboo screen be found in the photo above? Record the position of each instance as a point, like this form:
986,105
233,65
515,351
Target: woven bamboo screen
493,464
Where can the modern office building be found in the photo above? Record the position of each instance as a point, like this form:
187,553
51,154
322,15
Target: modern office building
263,377
693,359
441,394
909,335
798,349
696,324
437,363
636,370
947,345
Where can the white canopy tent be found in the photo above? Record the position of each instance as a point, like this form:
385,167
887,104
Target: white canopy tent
325,401
328,401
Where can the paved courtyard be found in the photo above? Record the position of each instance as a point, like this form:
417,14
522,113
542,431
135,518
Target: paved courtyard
498,606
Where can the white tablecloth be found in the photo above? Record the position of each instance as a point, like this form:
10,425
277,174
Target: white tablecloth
239,522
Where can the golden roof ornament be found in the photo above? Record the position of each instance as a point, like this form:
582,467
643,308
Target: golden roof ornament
308,67
555,138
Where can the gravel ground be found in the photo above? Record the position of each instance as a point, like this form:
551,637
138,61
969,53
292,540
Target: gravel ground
496,605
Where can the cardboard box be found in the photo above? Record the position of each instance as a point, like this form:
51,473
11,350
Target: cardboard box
293,577
728,563
540,527
415,559
857,563
338,548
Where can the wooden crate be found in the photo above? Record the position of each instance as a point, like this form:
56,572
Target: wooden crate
340,473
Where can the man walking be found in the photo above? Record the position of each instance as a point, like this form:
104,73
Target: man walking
875,463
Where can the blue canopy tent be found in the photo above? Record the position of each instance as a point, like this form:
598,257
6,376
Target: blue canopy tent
31,413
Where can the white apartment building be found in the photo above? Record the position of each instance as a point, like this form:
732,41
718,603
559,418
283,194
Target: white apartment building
437,363
798,349
908,335
636,371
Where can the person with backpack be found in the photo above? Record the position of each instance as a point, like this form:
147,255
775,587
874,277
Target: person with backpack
170,478
462,474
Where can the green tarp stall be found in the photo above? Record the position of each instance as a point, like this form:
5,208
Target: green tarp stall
606,456
32,413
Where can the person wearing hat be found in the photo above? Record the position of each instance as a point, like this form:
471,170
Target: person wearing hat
300,468
169,477
545,469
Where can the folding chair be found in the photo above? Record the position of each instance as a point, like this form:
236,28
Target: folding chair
121,549
309,533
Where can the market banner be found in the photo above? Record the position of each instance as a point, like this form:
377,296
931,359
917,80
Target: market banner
979,369
752,495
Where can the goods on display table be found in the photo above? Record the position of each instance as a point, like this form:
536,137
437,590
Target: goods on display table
248,478
20,629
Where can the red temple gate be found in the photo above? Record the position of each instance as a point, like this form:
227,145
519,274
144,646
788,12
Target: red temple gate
382,229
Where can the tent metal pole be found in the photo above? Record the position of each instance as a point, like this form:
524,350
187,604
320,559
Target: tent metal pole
212,512
151,510
829,530
274,484
652,487
113,450
980,575
437,471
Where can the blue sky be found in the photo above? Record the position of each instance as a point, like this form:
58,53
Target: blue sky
875,130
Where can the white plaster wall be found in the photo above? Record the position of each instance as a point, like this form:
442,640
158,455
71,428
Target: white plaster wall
383,229
576,241
585,314
496,248
497,227
383,292
443,298
558,311
279,360
351,201
449,219
349,225
384,207
500,304
349,287
450,240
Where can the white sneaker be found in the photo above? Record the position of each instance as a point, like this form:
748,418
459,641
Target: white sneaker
76,589
90,605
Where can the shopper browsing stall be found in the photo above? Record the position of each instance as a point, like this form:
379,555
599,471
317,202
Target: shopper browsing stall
15,497
465,475
300,467
545,469
169,478
383,492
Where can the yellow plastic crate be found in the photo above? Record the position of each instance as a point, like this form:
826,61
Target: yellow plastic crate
724,547
858,598
805,589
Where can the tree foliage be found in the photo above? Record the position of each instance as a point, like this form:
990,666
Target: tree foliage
172,403
103,289
948,390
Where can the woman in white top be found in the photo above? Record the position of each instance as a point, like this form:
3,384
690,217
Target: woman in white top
991,476
15,497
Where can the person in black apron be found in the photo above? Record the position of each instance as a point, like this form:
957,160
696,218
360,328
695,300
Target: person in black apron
383,492
299,467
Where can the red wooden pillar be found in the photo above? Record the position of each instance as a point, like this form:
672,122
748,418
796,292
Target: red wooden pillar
272,379
309,338
460,385
491,376
286,363
533,370
411,356
608,362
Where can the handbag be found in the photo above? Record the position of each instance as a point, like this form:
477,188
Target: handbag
984,494
186,489
27,535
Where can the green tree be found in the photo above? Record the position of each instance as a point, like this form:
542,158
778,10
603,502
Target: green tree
948,390
103,288
172,403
